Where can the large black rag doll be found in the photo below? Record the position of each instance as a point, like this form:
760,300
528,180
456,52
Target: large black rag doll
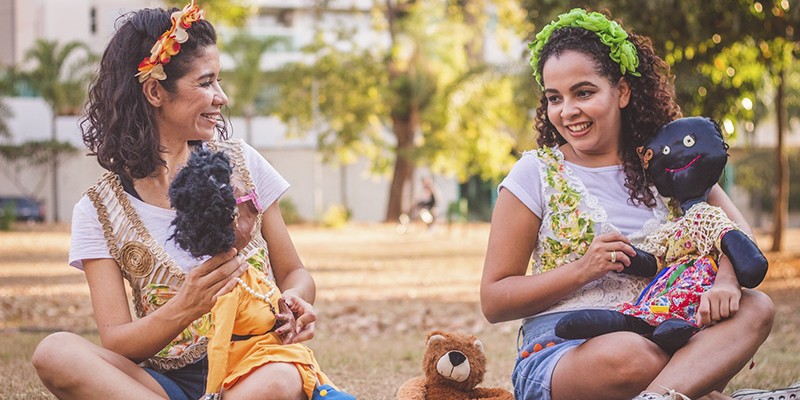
685,159
251,325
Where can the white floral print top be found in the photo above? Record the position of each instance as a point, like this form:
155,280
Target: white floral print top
572,215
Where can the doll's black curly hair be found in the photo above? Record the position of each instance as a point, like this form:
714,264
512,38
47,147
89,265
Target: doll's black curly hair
652,103
203,198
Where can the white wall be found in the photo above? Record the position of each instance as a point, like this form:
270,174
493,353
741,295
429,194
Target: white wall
31,119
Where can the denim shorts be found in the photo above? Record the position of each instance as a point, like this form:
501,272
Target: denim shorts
187,383
537,358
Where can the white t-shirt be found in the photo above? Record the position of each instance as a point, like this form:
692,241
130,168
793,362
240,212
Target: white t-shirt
88,241
607,184
605,200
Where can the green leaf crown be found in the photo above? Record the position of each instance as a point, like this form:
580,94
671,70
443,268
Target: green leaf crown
623,52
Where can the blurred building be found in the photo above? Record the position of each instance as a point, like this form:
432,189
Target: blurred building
316,185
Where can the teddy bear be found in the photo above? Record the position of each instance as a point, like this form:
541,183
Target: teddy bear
685,160
454,364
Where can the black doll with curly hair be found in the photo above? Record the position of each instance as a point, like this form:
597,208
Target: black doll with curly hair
204,203
251,325
573,210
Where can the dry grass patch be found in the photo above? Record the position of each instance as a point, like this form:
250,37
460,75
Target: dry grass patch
379,293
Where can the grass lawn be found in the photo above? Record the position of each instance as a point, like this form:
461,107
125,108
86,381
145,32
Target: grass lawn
379,293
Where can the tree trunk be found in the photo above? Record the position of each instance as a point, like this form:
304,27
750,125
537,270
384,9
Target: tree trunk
780,208
404,127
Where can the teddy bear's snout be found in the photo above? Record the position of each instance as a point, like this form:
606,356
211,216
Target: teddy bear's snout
454,366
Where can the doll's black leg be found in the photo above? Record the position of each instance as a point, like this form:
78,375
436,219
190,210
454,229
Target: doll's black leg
590,323
673,333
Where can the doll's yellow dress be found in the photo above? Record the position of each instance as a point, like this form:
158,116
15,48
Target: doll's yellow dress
241,337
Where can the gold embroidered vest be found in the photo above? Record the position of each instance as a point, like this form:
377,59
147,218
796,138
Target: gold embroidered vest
153,276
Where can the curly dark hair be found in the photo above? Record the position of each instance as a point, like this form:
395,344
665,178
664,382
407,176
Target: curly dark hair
652,102
203,198
119,126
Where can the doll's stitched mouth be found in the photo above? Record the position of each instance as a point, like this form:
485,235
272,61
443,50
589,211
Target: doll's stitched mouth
684,167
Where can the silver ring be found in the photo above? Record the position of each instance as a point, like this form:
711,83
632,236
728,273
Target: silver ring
613,256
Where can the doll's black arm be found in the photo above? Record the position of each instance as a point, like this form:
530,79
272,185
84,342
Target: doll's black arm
749,263
642,264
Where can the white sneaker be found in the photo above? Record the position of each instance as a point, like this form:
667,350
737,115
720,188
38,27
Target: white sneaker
670,395
787,393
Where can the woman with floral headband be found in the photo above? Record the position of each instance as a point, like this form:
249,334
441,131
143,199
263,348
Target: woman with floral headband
156,98
577,204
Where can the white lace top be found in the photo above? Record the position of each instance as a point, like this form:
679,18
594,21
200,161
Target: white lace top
575,203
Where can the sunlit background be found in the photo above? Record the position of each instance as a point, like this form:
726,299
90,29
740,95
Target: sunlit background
355,101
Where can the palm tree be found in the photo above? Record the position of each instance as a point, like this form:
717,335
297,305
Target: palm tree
61,85
5,112
247,80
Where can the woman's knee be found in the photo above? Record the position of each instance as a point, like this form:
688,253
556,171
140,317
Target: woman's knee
758,311
274,381
52,359
633,358
622,364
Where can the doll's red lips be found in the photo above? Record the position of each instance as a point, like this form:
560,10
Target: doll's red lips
684,167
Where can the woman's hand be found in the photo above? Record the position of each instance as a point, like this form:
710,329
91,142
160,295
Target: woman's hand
304,315
607,252
722,300
211,279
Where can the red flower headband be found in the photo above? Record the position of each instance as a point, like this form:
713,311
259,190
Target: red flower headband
169,44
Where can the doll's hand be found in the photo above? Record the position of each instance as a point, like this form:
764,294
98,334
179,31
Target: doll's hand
285,324
608,252
304,317
718,303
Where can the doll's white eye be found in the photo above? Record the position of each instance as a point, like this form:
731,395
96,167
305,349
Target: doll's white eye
665,150
688,141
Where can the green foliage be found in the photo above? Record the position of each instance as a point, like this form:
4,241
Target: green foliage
336,216
721,51
7,217
289,211
755,172
36,152
340,97
246,83
5,114
6,84
61,74
221,12
458,211
464,113
32,154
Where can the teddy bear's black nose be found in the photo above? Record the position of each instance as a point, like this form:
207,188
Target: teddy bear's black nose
456,357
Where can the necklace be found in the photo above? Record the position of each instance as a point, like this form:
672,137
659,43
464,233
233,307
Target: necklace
265,297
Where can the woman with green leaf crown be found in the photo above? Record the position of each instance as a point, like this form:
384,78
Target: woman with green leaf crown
571,212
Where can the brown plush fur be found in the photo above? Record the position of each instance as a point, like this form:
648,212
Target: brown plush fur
456,354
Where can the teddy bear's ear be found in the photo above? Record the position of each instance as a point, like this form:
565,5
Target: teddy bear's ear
434,337
479,345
